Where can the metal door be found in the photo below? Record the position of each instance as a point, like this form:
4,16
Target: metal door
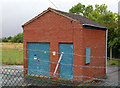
66,63
38,58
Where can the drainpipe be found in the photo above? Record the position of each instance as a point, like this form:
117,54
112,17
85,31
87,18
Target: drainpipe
106,48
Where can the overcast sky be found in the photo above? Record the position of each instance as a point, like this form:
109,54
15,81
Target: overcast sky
14,13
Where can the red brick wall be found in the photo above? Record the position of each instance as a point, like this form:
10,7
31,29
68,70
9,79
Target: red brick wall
96,40
77,49
51,28
55,29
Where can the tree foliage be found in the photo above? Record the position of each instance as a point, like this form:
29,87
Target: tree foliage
17,38
0,40
5,40
101,15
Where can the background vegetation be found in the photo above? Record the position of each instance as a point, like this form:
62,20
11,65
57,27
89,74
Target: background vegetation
105,17
16,39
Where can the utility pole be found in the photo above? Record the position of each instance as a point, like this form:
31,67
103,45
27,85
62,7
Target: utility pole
110,55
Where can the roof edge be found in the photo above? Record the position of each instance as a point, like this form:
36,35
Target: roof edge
34,18
95,26
45,11
55,11
59,13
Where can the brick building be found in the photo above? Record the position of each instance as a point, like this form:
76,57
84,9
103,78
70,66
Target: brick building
82,40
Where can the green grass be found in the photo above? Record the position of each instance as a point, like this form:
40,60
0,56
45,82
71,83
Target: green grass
12,56
114,62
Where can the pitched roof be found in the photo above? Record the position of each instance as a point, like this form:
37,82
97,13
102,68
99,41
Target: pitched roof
85,21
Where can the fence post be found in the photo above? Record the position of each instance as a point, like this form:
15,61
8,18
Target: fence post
110,55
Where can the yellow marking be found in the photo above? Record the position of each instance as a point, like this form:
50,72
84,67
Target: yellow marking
44,51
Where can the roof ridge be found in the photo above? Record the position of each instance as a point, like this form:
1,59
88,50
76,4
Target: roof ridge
76,15
72,16
63,11
70,13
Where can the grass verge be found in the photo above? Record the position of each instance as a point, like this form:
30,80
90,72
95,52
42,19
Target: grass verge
12,53
114,62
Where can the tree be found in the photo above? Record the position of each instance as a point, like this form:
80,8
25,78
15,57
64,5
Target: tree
0,40
101,15
18,38
81,9
5,40
9,38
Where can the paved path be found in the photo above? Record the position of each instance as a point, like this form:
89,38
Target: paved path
113,74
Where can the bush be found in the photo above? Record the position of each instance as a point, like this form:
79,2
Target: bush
113,64
5,40
18,38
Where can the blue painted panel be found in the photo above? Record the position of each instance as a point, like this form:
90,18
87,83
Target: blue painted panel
87,55
66,63
41,65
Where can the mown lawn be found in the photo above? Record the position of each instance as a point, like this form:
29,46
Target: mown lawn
12,53
114,62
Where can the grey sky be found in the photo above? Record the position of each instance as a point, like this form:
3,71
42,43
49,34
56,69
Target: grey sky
119,7
17,12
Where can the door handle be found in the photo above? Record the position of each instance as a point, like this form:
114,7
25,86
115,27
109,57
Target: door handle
38,59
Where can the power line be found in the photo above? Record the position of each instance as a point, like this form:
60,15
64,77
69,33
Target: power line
80,66
53,4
